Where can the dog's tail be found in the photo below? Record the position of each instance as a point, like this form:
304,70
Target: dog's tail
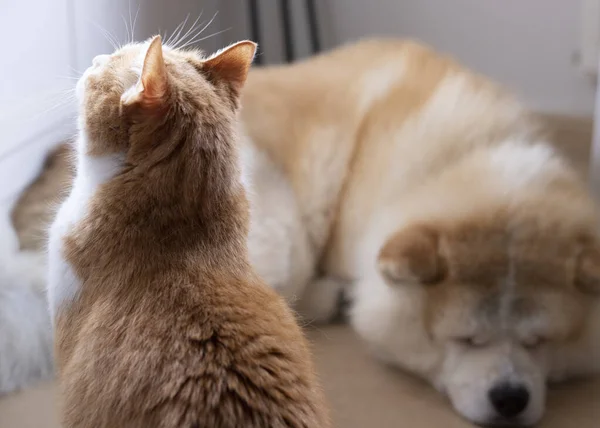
25,329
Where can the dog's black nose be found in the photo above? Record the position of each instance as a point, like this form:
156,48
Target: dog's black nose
509,400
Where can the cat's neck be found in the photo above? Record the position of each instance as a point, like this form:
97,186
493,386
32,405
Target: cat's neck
192,195
93,171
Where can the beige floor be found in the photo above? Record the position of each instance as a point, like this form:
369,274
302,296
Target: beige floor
363,393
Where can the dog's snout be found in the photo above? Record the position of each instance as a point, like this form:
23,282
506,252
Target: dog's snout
509,400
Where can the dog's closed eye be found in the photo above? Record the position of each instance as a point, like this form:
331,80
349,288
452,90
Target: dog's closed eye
472,341
534,343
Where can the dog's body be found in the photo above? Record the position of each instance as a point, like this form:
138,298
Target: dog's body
368,159
466,244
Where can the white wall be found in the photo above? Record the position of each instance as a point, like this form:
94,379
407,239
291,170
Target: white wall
529,45
153,17
235,16
36,54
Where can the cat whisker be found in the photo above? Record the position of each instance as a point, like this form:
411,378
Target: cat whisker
130,32
134,22
173,37
126,27
166,40
107,35
191,29
111,40
65,100
201,30
180,32
63,95
77,72
206,37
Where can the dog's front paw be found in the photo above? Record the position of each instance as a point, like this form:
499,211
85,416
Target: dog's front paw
322,300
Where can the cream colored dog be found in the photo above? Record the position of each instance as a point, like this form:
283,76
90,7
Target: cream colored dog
469,248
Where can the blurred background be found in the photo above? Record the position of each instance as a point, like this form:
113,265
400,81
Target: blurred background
545,50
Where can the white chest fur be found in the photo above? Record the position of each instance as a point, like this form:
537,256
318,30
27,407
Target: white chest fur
92,172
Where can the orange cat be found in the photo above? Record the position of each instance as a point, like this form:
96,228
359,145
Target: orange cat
160,320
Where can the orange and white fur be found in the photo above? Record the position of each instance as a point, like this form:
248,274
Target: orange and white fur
160,321
25,333
468,247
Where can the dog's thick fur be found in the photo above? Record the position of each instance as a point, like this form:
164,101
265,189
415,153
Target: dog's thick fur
468,246
25,333
160,320
429,195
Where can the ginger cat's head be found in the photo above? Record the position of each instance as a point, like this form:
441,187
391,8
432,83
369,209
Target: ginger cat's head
142,89
157,128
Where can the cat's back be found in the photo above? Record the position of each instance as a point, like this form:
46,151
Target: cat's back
225,352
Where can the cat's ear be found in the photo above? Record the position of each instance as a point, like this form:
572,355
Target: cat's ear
152,88
230,66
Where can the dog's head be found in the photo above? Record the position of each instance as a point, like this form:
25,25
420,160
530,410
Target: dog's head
492,303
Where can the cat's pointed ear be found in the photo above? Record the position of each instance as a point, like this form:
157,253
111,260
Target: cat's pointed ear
154,73
230,66
152,88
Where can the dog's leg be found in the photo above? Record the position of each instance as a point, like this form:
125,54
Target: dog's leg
322,299
278,243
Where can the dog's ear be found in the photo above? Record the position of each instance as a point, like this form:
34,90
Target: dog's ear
412,256
587,275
